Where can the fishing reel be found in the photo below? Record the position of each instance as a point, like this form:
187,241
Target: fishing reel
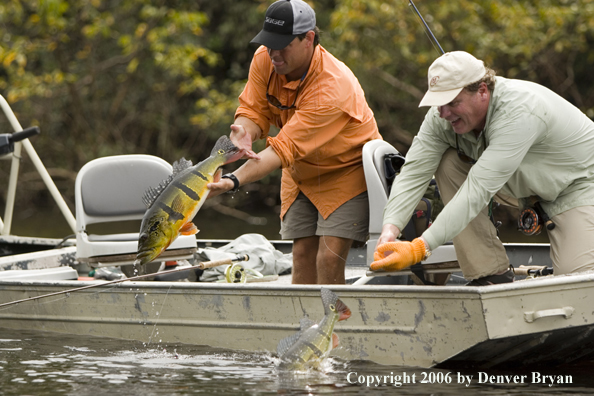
8,140
235,274
532,220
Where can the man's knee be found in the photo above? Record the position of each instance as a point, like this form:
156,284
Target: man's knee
304,249
450,174
333,249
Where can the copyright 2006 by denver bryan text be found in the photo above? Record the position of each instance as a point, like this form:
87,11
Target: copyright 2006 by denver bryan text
440,377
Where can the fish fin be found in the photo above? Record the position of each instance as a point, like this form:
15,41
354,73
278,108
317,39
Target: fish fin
306,323
152,193
181,165
189,229
342,310
178,204
217,176
286,343
150,196
335,341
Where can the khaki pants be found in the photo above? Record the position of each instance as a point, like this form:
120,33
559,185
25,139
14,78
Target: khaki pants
572,240
481,253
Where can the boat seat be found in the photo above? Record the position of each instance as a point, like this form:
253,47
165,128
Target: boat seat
110,190
44,274
374,153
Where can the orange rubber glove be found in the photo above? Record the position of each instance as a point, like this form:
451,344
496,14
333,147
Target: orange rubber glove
404,255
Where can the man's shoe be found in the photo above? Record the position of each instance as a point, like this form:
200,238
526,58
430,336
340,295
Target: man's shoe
506,277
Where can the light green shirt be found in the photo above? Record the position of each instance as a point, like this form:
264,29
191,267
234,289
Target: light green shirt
537,144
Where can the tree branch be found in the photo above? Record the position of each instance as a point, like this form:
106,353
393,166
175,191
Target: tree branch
396,83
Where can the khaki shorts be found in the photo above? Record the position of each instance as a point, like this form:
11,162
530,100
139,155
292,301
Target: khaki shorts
350,220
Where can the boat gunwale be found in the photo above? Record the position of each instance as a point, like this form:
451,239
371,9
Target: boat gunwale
487,291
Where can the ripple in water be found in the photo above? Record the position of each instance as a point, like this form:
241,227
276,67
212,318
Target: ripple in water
47,364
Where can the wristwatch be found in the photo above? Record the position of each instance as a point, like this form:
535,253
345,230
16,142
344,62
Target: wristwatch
235,181
427,254
428,251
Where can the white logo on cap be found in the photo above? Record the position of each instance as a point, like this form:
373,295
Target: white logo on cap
278,22
434,81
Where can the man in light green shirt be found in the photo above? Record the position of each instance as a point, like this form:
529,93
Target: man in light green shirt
490,137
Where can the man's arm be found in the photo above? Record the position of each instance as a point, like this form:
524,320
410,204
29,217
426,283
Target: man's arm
389,234
251,171
390,255
243,133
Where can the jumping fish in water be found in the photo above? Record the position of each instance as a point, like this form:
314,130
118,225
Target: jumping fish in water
173,204
314,341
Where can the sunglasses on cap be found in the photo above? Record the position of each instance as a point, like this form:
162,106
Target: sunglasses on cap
275,102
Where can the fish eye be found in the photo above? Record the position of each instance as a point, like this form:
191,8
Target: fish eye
155,226
332,307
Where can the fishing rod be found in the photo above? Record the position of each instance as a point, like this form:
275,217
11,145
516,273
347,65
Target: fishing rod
533,270
434,41
202,265
428,30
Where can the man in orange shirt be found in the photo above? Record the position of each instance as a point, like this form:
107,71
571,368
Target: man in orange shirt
324,121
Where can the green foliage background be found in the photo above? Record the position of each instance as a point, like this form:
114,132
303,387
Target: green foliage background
106,77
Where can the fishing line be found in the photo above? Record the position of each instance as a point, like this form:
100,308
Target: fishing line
434,41
438,48
323,236
65,292
426,28
64,240
113,283
62,295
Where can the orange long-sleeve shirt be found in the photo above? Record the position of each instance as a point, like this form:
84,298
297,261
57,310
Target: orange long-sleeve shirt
320,141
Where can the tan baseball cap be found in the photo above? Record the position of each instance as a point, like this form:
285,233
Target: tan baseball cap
449,74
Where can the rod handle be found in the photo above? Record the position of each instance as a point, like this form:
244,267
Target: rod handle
24,134
217,263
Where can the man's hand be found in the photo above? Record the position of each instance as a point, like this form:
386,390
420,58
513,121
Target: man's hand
242,139
394,256
219,187
389,234
249,172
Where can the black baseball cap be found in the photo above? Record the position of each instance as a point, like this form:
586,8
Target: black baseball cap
285,20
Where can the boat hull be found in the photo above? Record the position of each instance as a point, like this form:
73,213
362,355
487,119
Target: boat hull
421,326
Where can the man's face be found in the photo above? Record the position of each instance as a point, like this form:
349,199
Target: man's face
293,60
468,111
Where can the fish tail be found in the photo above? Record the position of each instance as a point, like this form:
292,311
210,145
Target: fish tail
225,144
226,150
335,341
343,311
330,298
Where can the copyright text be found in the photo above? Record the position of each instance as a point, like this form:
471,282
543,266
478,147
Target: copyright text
440,377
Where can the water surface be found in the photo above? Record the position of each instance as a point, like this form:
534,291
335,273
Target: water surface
37,363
